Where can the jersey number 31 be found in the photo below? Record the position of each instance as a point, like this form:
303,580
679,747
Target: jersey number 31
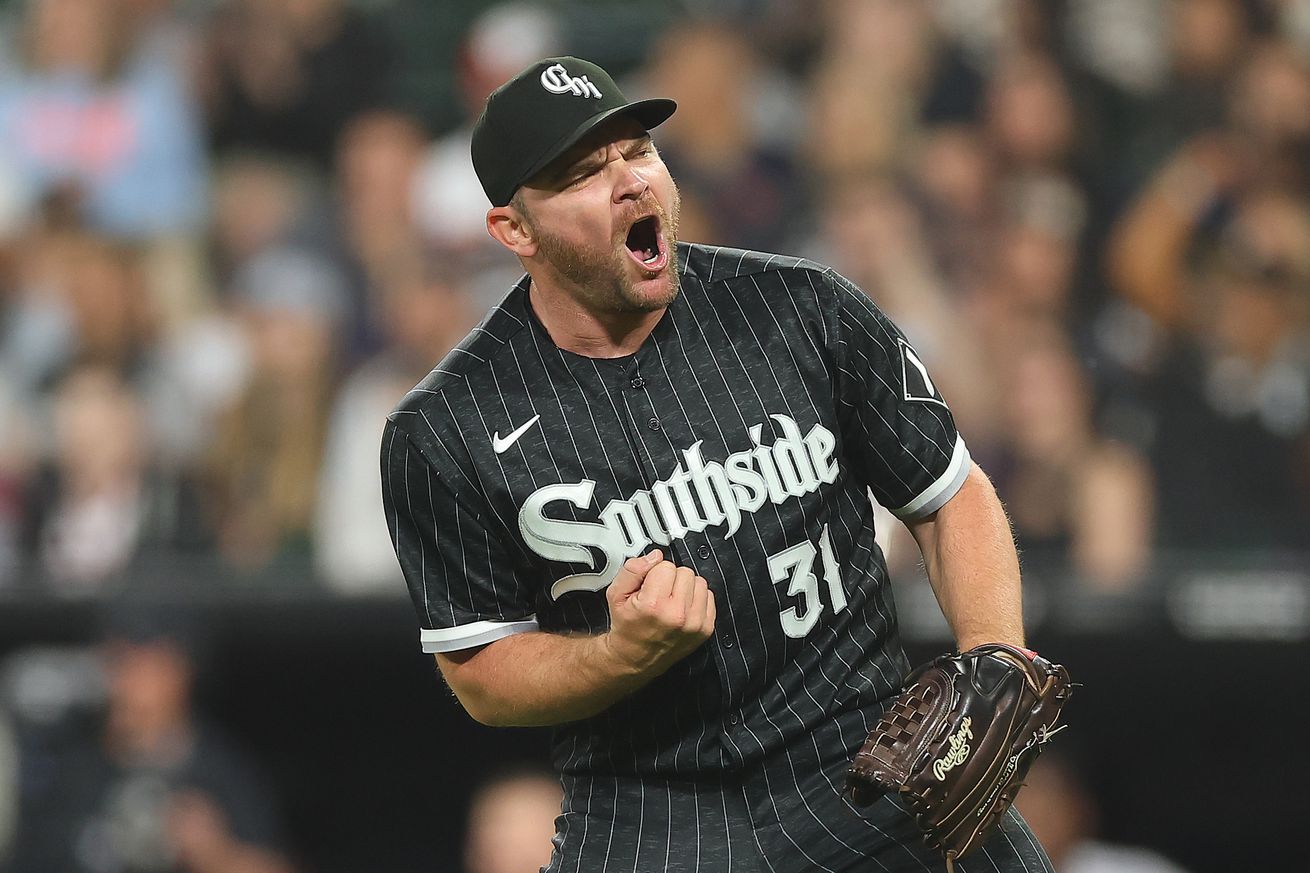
796,563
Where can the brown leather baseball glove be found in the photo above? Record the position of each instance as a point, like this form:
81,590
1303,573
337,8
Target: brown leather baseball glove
958,741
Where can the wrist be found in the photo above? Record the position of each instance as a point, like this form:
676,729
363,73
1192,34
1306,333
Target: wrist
618,658
973,641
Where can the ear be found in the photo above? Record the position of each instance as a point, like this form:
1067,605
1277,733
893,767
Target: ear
508,227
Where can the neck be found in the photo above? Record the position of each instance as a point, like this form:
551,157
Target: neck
575,327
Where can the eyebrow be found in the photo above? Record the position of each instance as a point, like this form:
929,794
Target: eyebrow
591,156
595,156
642,140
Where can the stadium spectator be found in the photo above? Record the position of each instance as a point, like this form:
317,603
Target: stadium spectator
511,823
872,231
1121,42
738,188
1030,114
152,788
1221,264
92,115
85,299
864,93
286,76
955,174
269,446
1073,496
1270,107
1206,41
448,202
260,202
79,298
100,504
379,155
424,313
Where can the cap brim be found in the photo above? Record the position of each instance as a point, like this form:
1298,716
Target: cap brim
648,113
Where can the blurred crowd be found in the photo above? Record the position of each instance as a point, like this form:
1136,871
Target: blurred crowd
229,241
234,232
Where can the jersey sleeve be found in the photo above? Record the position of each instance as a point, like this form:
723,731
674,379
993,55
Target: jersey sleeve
465,586
899,434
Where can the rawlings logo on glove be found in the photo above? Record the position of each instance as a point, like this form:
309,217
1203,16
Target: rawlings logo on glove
959,751
957,742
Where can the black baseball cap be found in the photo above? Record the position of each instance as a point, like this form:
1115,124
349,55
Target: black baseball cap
536,116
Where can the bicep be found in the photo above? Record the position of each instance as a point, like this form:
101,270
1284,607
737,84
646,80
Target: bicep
498,683
974,508
461,668
470,673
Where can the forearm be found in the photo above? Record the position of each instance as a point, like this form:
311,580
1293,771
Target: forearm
536,679
659,614
973,566
1148,248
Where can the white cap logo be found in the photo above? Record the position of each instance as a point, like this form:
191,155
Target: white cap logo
557,80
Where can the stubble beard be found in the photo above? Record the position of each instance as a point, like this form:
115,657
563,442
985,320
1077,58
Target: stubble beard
600,277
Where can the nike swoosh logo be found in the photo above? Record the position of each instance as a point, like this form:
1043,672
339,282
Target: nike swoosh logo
500,445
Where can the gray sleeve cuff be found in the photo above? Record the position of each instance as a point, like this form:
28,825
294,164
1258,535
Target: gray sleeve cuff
935,496
468,636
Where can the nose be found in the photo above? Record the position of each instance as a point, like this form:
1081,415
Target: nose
629,185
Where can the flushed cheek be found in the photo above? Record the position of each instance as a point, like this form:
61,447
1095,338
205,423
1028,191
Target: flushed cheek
579,236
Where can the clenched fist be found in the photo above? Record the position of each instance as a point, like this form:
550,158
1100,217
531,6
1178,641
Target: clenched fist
659,614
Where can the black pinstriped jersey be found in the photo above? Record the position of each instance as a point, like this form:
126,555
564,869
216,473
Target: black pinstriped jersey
742,438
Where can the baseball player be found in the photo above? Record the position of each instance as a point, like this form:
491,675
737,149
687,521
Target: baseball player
633,504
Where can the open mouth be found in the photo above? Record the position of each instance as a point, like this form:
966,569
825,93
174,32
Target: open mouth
645,246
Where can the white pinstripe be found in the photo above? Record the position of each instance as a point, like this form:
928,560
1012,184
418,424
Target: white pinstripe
805,687
745,569
481,486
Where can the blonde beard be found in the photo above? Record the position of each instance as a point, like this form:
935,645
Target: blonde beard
600,277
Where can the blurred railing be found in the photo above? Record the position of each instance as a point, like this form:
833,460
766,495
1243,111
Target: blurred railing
1255,595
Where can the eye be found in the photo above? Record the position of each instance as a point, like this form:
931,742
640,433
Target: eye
581,175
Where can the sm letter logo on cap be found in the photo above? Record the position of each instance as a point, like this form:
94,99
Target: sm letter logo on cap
557,80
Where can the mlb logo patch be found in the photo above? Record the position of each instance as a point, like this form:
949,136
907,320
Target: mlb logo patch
914,377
